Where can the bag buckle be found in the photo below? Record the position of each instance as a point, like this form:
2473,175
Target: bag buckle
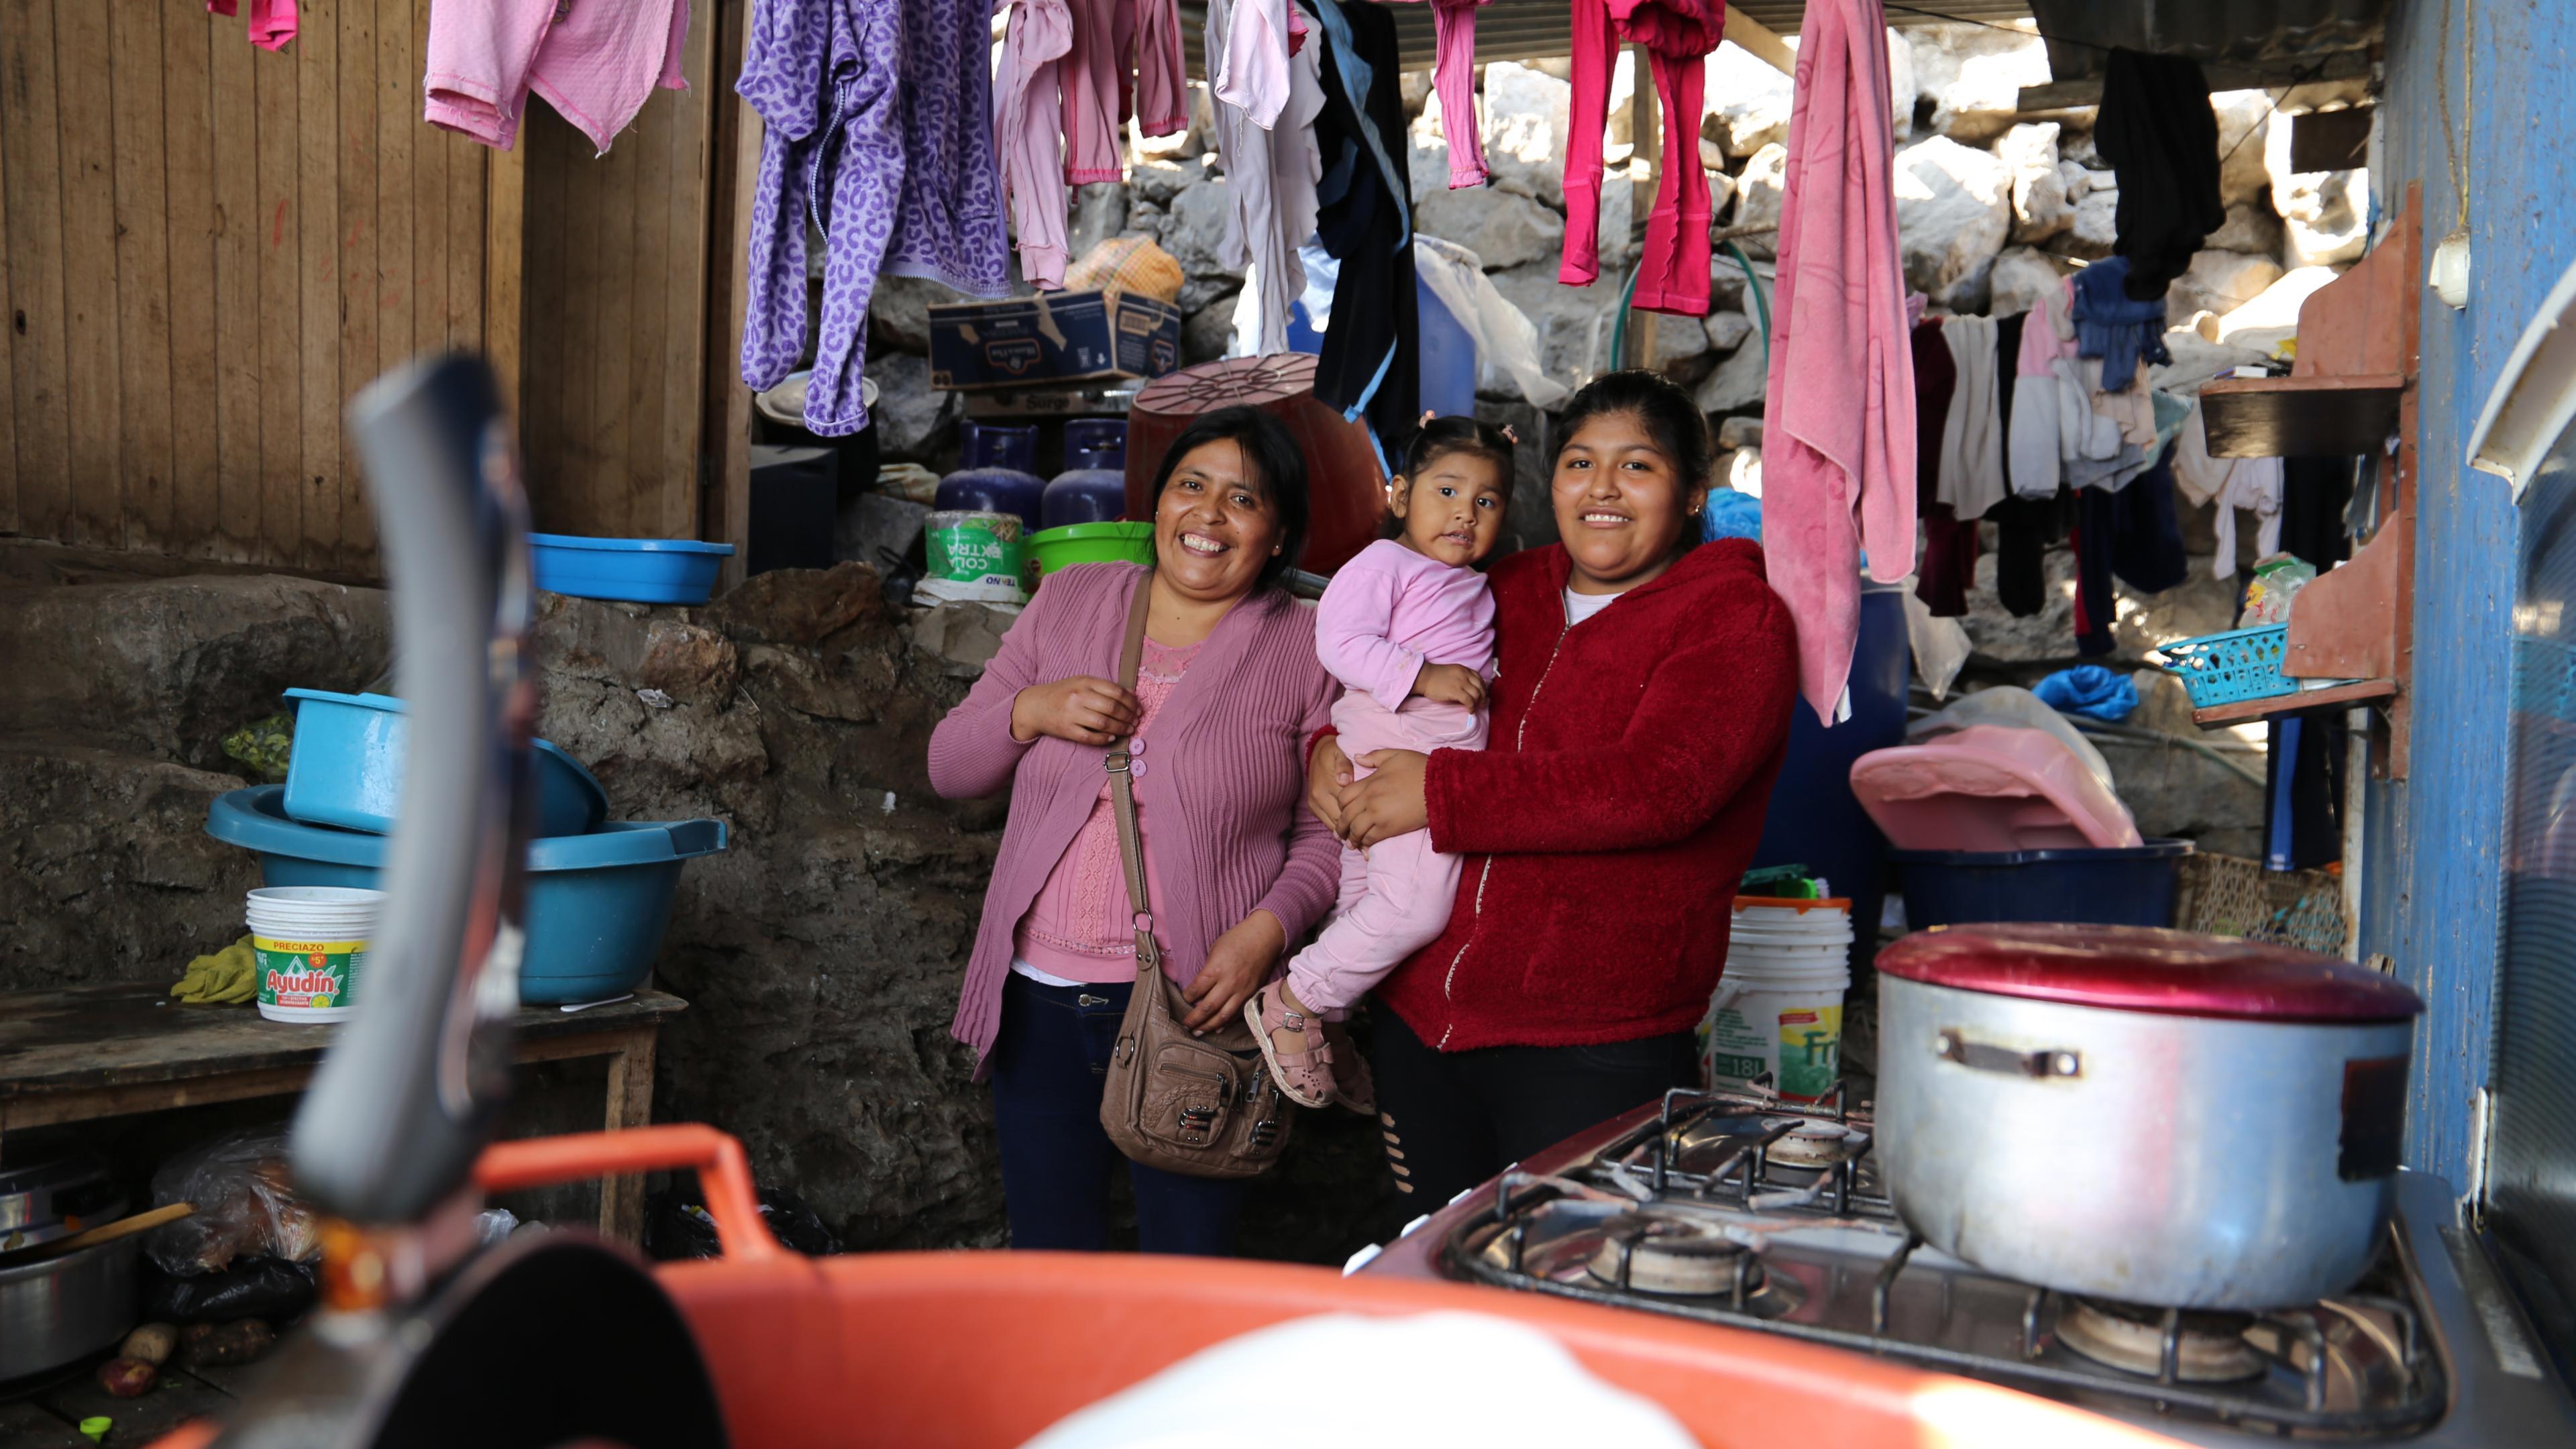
1116,762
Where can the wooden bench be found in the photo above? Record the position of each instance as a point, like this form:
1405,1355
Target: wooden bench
88,1052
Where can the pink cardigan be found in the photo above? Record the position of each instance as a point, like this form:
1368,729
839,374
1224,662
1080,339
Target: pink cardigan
1224,778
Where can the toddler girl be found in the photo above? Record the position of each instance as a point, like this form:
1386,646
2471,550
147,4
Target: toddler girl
1408,628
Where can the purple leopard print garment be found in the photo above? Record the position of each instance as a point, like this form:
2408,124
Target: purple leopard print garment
876,125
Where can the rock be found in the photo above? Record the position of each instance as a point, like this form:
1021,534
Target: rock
2218,282
2244,125
1758,191
1195,230
899,313
1974,74
690,663
2039,204
1099,213
1160,181
913,423
1680,348
1530,522
1419,93
1525,127
1737,384
2095,228
879,531
2075,143
1208,334
962,636
2273,314
2324,214
1727,329
2248,228
1188,142
1901,84
1573,323
168,667
2023,276
1615,243
1748,103
2074,180
1721,189
1739,432
800,606
1953,211
106,872
1741,470
1503,228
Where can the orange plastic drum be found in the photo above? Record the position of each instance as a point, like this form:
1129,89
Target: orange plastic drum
1345,484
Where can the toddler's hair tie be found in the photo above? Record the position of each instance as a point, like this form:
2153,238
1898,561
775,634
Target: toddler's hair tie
1511,435
1427,415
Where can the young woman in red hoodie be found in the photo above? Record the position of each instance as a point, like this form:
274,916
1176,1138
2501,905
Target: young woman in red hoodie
1639,719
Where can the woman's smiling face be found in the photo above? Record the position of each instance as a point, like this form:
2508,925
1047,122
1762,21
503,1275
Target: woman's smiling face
1215,524
1621,503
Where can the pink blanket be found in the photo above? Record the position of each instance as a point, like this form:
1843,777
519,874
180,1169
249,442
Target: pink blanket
1838,475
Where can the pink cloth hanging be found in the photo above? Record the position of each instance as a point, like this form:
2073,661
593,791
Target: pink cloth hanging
1672,270
1453,73
272,22
595,63
1838,477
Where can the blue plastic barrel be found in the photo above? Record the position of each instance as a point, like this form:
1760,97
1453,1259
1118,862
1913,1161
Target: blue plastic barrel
1447,351
2131,885
1814,819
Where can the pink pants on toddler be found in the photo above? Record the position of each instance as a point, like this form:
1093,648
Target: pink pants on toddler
1396,895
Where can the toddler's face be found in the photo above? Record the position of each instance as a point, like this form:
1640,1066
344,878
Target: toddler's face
1453,511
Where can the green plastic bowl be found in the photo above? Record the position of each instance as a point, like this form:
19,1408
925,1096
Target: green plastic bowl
1076,543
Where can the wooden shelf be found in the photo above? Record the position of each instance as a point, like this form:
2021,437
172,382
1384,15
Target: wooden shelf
2300,417
2306,701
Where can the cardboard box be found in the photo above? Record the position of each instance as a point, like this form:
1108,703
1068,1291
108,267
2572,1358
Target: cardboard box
1054,338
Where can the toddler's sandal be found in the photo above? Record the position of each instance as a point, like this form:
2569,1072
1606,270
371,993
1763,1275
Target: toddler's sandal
1306,1076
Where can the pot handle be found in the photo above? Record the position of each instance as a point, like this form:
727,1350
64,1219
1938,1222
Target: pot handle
1951,1045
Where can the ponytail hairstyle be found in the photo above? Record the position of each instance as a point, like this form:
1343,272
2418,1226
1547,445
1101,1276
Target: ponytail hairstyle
1670,416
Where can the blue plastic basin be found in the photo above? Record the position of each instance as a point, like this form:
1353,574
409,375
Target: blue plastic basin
597,903
347,769
627,570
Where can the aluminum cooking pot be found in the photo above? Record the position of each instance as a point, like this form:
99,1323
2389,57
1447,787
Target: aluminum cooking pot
2144,1115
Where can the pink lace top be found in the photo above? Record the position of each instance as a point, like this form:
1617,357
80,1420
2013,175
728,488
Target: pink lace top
1077,927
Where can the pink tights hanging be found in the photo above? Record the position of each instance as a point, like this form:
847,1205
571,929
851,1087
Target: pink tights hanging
1672,272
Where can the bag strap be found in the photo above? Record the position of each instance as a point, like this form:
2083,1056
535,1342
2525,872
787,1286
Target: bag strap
1149,956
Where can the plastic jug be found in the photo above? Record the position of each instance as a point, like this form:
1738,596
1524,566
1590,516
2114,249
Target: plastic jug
1093,486
996,476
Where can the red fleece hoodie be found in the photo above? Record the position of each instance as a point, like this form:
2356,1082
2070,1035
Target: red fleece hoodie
1607,825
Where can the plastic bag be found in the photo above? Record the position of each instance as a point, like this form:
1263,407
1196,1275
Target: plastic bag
262,1287
2276,583
677,1228
245,1206
2013,707
1127,264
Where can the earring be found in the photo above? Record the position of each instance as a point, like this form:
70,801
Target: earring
1274,548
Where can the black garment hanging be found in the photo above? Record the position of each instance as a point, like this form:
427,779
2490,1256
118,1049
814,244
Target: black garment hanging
2314,492
2146,534
2158,132
1949,546
2303,816
2096,607
2022,525
1372,350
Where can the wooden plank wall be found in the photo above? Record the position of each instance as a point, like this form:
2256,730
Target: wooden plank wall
205,249
615,313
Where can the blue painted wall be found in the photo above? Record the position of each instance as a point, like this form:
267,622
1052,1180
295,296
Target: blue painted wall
2434,874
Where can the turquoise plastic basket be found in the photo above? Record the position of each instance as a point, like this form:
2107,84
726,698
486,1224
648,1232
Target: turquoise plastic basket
2237,665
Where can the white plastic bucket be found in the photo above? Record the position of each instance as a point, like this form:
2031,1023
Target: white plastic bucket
311,942
1778,1011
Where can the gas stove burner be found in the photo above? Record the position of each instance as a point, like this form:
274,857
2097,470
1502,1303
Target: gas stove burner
1815,1144
2212,1348
1652,1254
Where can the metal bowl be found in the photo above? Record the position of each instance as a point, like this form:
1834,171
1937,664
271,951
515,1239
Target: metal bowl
61,1309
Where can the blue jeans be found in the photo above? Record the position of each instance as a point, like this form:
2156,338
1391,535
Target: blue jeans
1048,1067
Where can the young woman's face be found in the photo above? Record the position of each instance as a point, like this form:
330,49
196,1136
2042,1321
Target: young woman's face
1214,525
1621,503
1453,510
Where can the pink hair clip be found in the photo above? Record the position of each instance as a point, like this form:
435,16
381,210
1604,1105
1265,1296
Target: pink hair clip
1512,435
1427,415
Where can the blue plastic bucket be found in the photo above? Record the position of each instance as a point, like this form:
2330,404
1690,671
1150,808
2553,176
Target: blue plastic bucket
597,904
2121,886
627,570
347,769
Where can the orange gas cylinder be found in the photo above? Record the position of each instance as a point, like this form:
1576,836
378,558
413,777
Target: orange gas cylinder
1345,486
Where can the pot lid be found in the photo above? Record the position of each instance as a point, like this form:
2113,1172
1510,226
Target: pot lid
2141,968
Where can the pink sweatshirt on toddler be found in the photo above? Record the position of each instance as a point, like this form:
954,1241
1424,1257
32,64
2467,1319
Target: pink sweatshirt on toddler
1387,613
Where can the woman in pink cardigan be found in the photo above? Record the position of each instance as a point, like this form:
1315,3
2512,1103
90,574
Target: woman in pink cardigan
1235,868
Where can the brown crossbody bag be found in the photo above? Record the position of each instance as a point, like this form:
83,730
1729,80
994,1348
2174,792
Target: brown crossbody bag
1200,1106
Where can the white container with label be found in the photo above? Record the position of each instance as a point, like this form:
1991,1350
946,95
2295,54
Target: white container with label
1777,1017
311,943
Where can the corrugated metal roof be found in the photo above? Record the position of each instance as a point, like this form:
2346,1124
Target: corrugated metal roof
1537,29
2275,36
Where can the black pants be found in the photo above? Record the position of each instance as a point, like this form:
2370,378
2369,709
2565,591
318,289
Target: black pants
1048,1068
1453,1119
